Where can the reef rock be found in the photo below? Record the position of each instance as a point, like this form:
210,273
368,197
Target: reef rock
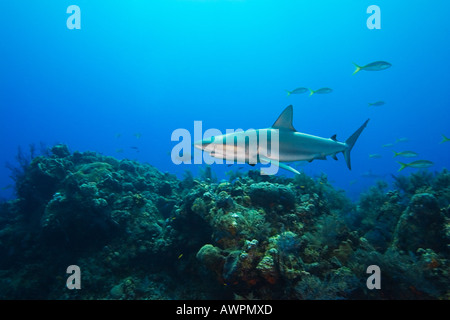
138,233
268,270
211,257
268,195
421,225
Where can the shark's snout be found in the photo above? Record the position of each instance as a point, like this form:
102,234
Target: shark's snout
202,144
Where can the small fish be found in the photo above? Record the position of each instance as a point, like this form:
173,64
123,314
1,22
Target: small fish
297,91
119,150
375,156
376,104
353,182
388,145
444,139
374,66
401,140
320,91
9,186
138,135
118,135
419,164
179,257
370,174
406,154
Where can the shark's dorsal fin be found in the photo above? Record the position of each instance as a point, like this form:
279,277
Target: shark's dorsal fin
284,121
333,137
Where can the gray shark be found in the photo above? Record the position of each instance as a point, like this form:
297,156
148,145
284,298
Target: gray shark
254,146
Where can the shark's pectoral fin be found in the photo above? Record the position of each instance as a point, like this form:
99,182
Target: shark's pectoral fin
285,166
280,164
334,157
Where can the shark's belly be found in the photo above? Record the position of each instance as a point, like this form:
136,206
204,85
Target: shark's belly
305,148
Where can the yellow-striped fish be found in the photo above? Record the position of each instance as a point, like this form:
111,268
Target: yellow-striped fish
419,164
373,66
444,139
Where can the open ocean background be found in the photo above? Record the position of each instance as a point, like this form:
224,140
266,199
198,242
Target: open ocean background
138,70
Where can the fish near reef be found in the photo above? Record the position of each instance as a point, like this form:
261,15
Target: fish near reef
406,154
419,164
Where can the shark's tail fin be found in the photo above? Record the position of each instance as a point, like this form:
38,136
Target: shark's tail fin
288,93
396,154
351,142
444,139
358,68
311,92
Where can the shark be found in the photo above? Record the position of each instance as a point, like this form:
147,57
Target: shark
292,145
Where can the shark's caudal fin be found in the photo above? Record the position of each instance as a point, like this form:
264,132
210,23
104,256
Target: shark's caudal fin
358,68
351,142
311,92
288,93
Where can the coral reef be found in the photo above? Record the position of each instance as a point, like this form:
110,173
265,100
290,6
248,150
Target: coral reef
138,233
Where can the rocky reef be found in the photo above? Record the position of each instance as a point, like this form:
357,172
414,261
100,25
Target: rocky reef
138,233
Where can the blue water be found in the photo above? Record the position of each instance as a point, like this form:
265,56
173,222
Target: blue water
149,67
